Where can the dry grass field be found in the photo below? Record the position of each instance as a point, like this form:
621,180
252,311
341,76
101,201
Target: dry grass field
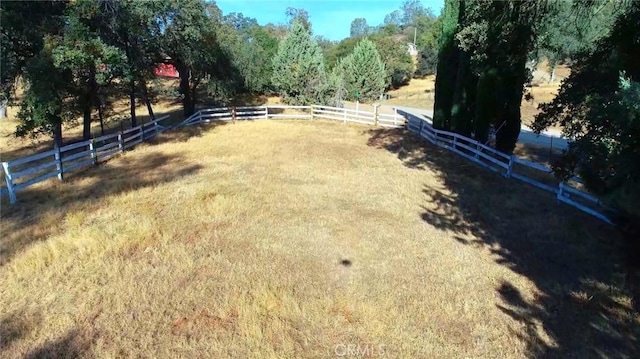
304,239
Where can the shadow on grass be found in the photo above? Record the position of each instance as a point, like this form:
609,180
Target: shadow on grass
41,209
71,345
16,325
538,154
572,258
184,134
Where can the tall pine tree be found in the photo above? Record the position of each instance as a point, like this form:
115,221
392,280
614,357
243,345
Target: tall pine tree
298,68
364,72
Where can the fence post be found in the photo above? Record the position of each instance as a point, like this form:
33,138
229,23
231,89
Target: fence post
58,156
559,195
311,109
120,142
344,116
9,179
120,139
455,142
510,168
375,114
266,112
233,114
94,155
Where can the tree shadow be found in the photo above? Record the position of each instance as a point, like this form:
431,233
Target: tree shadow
539,154
185,133
15,325
39,209
573,259
72,345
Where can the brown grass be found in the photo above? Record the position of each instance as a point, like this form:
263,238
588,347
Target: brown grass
289,238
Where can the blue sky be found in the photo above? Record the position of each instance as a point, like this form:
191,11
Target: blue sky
329,18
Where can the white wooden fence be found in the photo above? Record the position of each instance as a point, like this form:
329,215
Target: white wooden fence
507,165
26,171
23,172
299,112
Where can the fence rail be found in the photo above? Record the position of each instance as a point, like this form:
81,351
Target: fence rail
26,171
507,165
23,172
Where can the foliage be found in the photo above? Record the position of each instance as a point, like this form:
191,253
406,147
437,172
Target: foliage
359,27
300,15
447,69
394,18
412,10
84,53
568,27
427,63
337,86
396,58
44,108
363,72
183,24
342,49
298,68
246,41
26,29
429,31
489,40
597,106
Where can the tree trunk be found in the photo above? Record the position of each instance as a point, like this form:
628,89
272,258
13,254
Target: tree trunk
57,134
90,97
101,119
132,103
86,122
188,102
147,100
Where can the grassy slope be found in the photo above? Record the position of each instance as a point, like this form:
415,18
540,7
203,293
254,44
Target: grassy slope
287,238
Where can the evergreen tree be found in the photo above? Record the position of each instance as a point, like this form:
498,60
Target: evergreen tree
485,43
363,72
298,68
447,69
427,63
